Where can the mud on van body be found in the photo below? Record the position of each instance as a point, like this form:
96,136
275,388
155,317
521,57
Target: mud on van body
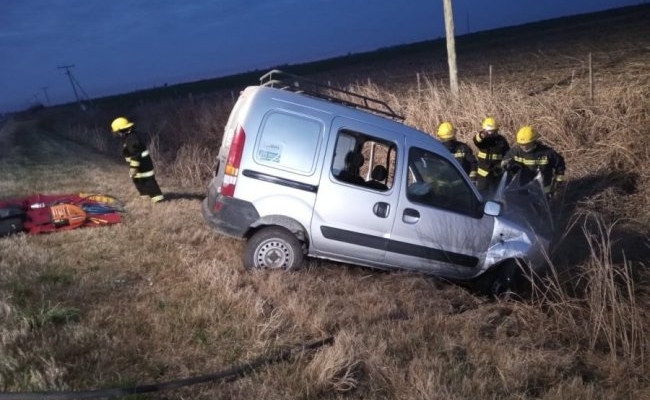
307,170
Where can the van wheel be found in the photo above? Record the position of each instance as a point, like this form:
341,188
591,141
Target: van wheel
273,248
496,282
509,281
502,286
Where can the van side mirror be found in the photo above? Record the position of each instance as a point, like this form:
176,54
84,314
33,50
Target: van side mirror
492,208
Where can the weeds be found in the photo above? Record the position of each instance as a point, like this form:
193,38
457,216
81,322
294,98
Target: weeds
596,303
161,297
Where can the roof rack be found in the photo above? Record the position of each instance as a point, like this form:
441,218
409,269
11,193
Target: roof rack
282,80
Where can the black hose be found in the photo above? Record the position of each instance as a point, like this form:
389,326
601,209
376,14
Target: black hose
229,375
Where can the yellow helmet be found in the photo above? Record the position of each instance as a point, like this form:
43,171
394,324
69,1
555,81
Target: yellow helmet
527,134
489,124
120,123
446,131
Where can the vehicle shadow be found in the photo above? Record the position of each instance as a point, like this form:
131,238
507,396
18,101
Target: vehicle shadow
183,196
584,226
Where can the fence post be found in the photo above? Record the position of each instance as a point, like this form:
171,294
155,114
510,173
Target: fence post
417,76
491,87
591,80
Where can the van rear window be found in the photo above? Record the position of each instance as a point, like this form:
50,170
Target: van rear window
289,142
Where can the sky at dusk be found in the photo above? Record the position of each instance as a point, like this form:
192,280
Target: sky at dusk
118,46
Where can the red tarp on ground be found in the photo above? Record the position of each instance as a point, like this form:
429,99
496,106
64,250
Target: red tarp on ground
53,213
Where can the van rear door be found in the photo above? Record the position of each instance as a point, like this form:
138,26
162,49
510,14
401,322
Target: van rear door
228,135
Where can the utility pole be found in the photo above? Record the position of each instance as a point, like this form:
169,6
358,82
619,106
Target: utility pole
67,72
47,98
75,84
451,48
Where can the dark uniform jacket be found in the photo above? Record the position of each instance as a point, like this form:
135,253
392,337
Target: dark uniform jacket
137,155
542,158
464,155
491,151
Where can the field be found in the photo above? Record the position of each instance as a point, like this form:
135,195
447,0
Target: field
161,297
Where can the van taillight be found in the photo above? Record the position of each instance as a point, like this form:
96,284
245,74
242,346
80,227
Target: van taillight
231,171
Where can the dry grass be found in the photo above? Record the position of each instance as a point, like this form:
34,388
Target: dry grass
161,297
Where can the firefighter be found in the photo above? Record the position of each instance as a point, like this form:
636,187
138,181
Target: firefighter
529,156
461,152
137,156
492,146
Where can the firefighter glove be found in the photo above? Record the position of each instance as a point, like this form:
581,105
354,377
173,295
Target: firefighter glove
556,188
133,172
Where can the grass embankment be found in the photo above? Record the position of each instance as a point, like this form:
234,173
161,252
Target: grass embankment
161,297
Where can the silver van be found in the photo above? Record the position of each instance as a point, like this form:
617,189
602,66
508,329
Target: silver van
307,170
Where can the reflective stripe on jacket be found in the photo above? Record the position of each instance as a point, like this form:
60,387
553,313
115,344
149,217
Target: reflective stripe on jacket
542,158
137,155
144,174
491,151
464,155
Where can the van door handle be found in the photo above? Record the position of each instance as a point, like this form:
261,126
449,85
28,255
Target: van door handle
410,216
381,209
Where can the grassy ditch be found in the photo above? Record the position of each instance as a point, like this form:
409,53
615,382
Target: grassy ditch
160,297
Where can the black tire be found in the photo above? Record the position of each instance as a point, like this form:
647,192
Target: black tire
503,286
273,248
506,281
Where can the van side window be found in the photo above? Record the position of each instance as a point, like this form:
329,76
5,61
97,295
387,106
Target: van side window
434,181
364,160
289,142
